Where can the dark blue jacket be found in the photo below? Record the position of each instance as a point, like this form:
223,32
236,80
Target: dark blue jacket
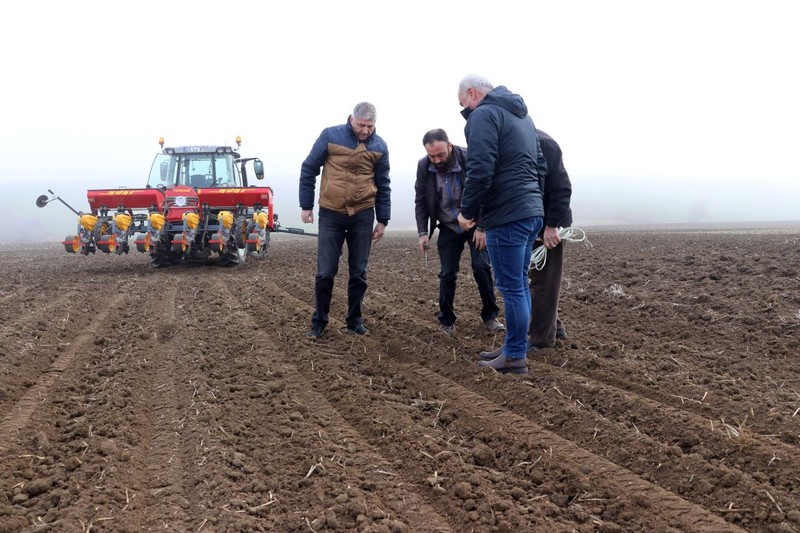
355,174
502,169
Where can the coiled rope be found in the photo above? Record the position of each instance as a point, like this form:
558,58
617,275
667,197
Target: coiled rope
539,255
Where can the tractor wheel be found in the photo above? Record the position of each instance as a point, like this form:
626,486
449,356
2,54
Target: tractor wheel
72,244
107,243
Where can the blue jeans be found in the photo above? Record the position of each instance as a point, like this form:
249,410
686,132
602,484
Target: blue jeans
450,245
510,247
334,229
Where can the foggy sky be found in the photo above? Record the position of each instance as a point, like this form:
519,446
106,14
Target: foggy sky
679,111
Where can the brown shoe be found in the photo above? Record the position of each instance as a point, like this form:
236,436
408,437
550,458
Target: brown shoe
488,356
503,365
494,325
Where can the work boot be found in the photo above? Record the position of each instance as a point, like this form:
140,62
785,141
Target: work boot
488,356
357,329
561,333
316,331
494,325
503,364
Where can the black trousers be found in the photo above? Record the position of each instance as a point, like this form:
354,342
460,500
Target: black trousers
450,245
334,230
545,292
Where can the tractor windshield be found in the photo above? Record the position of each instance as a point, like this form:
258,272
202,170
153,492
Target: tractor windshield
198,170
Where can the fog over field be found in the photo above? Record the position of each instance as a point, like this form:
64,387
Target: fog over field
597,201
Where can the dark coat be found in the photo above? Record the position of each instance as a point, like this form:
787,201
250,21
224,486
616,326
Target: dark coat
502,170
425,199
557,185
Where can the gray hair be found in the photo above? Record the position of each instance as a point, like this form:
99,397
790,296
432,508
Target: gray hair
364,111
474,81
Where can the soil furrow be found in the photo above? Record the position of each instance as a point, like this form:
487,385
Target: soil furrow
21,412
197,403
339,451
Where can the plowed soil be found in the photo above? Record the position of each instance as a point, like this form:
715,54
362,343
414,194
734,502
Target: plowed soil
189,399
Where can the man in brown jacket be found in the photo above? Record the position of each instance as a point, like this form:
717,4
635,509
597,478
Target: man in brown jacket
354,192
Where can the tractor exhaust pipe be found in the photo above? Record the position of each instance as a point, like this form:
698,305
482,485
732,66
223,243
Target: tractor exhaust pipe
43,200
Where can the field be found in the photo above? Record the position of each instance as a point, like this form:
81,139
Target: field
189,399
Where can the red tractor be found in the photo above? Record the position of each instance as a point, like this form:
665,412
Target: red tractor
197,202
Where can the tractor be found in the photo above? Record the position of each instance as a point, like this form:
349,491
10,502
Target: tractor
198,203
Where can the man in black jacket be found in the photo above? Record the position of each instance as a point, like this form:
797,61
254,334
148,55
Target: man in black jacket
546,326
438,191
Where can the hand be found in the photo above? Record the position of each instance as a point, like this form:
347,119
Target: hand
479,238
551,237
465,223
307,216
423,243
377,233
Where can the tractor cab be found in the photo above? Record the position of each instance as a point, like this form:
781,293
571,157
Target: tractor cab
201,167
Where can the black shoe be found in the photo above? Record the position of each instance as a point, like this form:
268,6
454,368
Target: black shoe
561,334
504,365
316,331
357,329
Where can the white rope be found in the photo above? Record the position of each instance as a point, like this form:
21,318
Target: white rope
539,255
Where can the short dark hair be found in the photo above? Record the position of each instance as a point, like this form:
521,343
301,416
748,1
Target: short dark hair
435,135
